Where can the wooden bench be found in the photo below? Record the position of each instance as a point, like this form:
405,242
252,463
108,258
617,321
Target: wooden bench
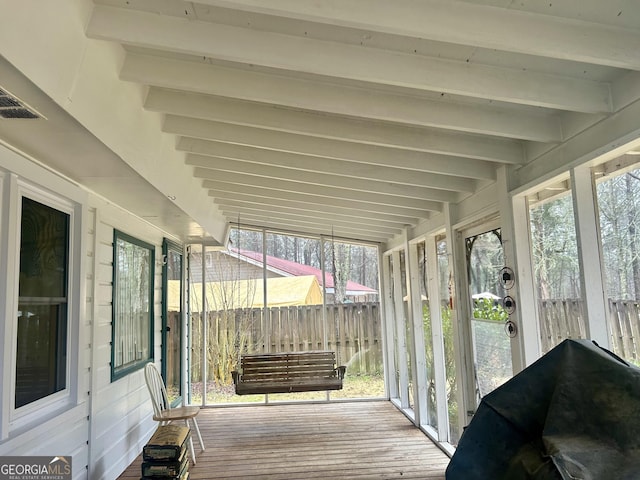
288,372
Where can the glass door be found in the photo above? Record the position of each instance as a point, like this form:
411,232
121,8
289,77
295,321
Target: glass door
172,320
490,338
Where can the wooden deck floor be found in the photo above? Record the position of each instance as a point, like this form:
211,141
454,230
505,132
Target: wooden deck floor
358,440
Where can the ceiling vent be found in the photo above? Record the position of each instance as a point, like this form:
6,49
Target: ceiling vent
12,107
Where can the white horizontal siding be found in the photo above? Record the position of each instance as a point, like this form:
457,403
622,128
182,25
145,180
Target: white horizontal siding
108,423
121,411
65,433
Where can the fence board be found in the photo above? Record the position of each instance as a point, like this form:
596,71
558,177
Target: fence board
633,311
564,318
353,331
560,319
625,327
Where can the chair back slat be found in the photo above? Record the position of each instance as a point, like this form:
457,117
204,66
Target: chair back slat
156,388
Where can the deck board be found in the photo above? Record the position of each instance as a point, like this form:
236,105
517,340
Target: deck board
351,440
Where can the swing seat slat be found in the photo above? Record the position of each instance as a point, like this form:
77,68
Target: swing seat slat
288,372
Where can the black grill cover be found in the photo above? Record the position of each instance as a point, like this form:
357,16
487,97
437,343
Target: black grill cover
573,414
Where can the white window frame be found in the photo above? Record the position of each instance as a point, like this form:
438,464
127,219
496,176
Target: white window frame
47,406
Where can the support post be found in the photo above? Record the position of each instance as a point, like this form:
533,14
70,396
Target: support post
589,255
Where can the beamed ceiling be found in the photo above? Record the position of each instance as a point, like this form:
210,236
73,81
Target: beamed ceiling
362,117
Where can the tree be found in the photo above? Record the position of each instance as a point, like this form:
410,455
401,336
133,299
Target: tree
355,262
340,268
450,367
555,250
485,258
619,208
632,185
230,293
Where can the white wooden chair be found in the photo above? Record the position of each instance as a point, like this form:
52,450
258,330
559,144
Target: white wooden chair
162,411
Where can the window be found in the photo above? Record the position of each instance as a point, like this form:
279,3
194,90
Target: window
41,353
557,269
618,188
132,325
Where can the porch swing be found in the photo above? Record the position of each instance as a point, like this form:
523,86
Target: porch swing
287,372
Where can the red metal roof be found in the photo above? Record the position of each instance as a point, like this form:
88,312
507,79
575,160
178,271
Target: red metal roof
294,269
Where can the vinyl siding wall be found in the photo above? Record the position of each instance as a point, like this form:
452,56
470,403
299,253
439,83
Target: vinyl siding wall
63,429
121,410
103,425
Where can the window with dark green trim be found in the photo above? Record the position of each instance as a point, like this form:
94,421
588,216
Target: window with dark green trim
132,322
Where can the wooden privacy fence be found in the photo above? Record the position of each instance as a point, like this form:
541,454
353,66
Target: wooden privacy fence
564,318
560,319
624,321
353,331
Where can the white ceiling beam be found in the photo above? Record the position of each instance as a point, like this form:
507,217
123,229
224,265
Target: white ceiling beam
338,99
296,228
355,217
301,223
237,194
450,167
320,195
626,90
302,220
605,140
333,127
220,191
467,24
296,224
245,178
351,62
322,147
304,181
250,156
275,222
